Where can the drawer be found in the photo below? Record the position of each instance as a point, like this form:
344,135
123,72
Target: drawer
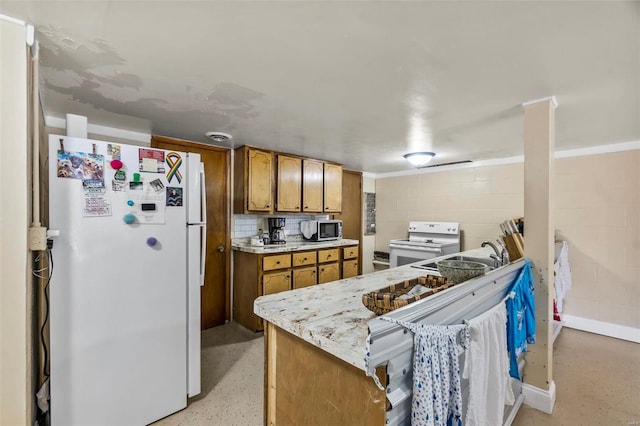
304,258
269,263
276,282
350,252
331,255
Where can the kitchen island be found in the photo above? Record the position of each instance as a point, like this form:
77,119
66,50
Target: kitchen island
315,341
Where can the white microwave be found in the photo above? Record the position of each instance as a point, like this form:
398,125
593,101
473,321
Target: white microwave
321,230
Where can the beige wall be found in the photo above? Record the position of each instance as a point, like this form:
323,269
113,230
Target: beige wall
15,374
597,212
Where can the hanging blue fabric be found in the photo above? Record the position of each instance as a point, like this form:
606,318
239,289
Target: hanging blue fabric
521,318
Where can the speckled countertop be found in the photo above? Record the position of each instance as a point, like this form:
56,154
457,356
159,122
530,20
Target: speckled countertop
331,316
243,245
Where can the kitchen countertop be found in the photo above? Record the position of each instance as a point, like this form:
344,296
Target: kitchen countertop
331,316
243,245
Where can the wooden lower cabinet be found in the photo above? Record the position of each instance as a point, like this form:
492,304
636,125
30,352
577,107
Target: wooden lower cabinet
256,275
349,268
305,385
304,277
276,282
328,272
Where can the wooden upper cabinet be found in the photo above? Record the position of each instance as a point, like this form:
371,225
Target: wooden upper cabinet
332,188
289,184
312,184
253,177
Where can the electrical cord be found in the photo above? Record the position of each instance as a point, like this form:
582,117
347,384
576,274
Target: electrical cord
39,274
45,370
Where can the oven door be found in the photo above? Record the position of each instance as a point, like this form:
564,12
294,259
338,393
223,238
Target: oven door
403,254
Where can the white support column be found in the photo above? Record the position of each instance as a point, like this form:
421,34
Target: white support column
539,146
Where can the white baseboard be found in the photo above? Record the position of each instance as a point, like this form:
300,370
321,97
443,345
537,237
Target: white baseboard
540,399
605,328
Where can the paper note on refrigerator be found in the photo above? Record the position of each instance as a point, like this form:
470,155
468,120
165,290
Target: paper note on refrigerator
96,202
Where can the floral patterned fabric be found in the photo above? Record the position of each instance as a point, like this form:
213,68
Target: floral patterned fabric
437,394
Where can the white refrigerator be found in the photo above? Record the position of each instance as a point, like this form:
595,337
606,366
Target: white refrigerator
125,290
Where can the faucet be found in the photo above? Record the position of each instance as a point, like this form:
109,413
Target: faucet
501,257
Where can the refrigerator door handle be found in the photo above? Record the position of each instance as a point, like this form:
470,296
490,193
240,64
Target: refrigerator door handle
203,195
203,252
203,218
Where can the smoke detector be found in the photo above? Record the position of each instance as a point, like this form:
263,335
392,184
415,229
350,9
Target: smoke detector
219,137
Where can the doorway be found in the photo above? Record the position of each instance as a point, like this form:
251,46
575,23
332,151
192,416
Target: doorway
215,294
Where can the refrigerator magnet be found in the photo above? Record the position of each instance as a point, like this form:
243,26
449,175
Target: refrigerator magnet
157,185
118,186
114,151
119,181
174,161
174,197
116,164
129,218
151,160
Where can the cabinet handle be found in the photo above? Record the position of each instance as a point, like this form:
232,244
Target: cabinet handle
328,256
278,262
314,272
306,207
287,276
267,205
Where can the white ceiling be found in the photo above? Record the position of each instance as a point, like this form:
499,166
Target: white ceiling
357,82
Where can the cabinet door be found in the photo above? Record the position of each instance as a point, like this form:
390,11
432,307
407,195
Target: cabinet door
276,282
304,277
349,268
332,188
259,181
289,184
312,178
328,272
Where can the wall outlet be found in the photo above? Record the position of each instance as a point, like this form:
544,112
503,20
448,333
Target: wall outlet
37,238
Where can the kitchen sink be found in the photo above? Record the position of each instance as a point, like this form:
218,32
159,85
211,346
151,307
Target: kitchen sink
489,262
431,265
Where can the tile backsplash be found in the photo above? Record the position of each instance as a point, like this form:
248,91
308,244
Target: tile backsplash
247,225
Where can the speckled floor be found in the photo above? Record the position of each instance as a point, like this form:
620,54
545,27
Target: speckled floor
597,382
232,381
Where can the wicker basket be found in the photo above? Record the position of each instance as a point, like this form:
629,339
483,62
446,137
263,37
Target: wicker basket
388,299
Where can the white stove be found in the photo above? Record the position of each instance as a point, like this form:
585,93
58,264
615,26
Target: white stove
426,241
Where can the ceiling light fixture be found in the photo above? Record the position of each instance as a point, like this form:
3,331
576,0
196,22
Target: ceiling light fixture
419,159
219,137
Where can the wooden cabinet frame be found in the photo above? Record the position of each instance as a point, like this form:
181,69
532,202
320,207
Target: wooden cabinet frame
255,275
254,181
271,182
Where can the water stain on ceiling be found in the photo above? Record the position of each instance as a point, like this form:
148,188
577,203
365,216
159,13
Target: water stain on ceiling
360,83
